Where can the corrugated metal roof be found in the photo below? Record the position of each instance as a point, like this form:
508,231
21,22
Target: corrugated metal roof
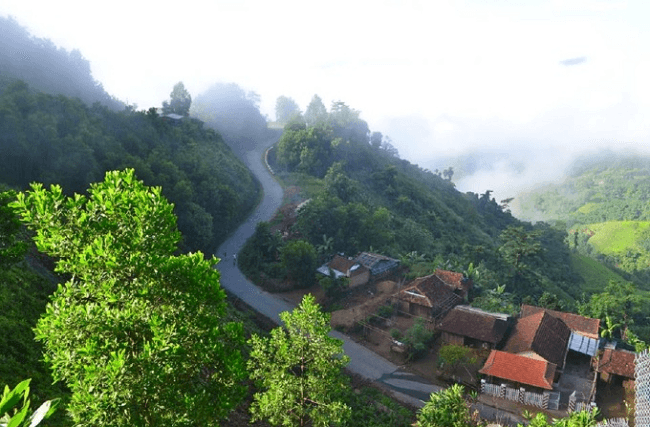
583,344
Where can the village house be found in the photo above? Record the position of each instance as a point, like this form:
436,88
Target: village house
430,296
378,265
456,281
565,343
617,365
516,371
584,330
346,267
469,326
540,336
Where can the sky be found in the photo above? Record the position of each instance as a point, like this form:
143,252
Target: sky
521,87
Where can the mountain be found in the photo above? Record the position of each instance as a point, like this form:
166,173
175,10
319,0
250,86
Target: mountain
603,203
363,197
47,68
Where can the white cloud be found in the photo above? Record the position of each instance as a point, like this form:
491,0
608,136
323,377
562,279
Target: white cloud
441,78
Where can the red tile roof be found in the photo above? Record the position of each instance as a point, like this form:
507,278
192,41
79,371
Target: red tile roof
541,333
617,362
476,324
341,264
583,325
520,369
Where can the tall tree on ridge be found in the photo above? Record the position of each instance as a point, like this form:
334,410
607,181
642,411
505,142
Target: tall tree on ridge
179,102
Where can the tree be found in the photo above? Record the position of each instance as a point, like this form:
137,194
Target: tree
447,408
496,300
517,247
453,355
136,333
11,248
285,109
615,307
298,369
11,398
448,173
316,111
575,419
417,339
180,101
299,260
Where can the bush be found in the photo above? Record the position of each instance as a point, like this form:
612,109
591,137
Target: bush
395,334
417,340
385,311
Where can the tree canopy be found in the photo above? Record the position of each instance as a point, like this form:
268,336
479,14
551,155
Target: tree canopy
136,333
299,370
316,111
285,108
179,102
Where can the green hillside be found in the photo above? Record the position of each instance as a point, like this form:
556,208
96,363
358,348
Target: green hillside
363,197
596,276
603,202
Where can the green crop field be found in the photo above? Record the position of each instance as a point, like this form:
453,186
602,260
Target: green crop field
617,237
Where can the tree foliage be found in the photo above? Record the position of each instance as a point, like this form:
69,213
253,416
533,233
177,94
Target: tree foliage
299,260
14,415
447,408
136,333
48,68
298,369
60,140
575,419
179,102
316,111
615,307
232,112
285,109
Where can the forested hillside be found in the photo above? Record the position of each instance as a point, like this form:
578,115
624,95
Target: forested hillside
48,68
362,196
55,139
604,204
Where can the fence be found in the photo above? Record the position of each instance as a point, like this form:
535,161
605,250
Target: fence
613,422
539,400
545,400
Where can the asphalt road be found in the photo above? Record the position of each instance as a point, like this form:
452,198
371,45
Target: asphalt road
407,387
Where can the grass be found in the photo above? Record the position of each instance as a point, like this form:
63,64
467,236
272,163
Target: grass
617,237
596,275
588,208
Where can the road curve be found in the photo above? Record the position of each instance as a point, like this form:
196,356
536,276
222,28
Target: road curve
406,386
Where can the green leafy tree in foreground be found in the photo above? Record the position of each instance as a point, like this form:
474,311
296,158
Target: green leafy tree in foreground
137,333
447,408
14,415
575,419
298,369
11,248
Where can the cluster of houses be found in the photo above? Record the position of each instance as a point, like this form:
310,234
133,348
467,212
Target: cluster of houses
555,355
551,354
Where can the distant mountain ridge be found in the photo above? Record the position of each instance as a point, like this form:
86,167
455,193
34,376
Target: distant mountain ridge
605,204
47,68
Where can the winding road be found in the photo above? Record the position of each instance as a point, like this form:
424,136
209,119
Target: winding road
407,387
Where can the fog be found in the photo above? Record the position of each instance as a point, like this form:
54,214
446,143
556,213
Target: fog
505,92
